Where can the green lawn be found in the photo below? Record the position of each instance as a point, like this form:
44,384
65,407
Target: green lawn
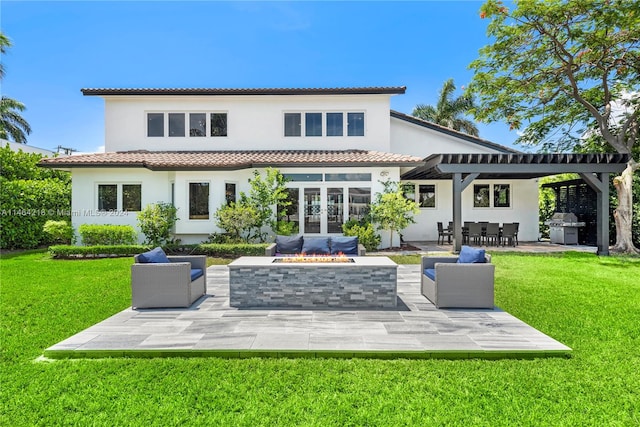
588,303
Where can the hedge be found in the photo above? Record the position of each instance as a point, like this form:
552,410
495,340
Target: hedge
221,250
26,205
107,235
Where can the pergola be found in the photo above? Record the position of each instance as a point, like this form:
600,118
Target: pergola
463,169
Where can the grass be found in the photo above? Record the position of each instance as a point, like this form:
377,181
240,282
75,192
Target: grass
591,304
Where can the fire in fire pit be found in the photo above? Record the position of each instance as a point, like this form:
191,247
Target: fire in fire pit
304,258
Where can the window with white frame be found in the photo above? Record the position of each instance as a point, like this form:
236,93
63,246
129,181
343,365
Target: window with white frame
492,196
313,123
427,195
193,125
230,192
120,197
501,196
198,200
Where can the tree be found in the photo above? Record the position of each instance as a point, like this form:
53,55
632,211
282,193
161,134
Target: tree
558,67
265,194
391,210
12,124
449,112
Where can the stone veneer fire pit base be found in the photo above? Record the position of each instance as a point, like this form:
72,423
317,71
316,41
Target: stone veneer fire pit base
368,282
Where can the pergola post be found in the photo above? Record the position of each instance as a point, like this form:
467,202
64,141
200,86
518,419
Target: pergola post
600,184
459,185
457,212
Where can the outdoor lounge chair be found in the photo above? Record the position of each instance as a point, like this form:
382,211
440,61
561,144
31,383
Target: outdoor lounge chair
160,281
449,283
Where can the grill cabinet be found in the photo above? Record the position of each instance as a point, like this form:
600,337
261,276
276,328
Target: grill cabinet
563,228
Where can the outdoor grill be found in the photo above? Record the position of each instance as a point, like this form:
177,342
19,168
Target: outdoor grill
563,228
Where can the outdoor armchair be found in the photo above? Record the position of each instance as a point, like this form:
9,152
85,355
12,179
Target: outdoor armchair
458,285
176,283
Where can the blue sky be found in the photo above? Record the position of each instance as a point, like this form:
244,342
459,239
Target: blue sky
61,47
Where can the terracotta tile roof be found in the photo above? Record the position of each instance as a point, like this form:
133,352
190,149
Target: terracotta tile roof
211,160
247,91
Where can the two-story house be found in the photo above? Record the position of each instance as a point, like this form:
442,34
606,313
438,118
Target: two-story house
197,149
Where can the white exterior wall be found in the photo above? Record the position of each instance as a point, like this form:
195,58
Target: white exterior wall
84,193
409,138
254,122
524,209
156,187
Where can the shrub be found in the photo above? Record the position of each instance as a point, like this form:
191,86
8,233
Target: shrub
60,232
286,228
223,250
105,235
367,236
26,205
96,251
237,219
156,221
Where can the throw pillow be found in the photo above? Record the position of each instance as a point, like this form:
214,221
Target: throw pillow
469,255
154,256
288,244
347,245
316,246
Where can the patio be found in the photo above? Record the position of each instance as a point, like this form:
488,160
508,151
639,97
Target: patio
210,328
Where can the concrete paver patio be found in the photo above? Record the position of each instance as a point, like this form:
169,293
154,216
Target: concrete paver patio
211,328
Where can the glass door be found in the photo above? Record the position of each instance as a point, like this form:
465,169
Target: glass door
335,210
312,211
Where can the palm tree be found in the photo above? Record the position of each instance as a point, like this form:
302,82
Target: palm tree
11,122
12,125
449,112
4,44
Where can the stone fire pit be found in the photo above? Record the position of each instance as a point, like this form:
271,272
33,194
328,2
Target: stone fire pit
363,282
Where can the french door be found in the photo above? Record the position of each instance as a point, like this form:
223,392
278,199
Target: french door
320,209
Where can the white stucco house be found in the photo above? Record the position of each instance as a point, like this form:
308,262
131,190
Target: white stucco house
197,148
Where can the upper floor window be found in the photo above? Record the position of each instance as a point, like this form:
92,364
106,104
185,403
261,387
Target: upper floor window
155,124
324,124
218,124
334,124
175,124
355,124
292,124
313,124
197,124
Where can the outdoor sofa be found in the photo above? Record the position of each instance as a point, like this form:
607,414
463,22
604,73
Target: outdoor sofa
158,280
465,281
329,245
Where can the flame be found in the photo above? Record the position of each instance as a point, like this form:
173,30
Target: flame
303,258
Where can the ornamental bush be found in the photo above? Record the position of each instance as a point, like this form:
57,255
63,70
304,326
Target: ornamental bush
106,235
60,232
156,221
367,235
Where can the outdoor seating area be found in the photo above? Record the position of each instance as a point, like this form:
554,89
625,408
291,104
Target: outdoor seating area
482,233
211,327
325,245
